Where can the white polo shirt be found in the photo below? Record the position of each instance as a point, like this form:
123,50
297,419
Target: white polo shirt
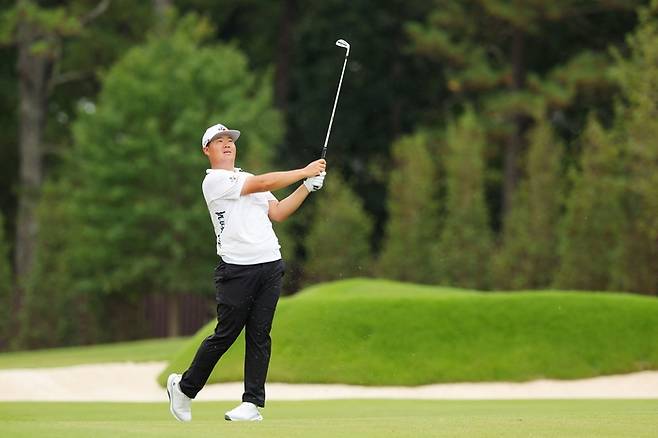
242,226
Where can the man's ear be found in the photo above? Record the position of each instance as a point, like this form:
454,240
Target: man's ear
205,150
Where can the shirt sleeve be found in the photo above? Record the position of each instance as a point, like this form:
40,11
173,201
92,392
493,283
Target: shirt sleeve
270,197
223,184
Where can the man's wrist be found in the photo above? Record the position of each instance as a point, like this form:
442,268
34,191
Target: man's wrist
306,183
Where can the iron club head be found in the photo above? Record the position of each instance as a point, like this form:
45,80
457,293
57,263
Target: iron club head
344,44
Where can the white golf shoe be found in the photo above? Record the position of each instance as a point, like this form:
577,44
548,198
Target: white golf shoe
179,403
245,412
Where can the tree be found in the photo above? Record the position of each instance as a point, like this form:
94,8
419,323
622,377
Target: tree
60,48
55,311
6,288
264,31
9,139
413,212
507,59
38,33
595,221
466,239
527,256
387,91
637,76
138,209
338,240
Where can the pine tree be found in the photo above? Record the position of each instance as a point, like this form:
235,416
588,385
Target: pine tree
527,256
638,79
506,58
595,220
413,213
466,239
338,240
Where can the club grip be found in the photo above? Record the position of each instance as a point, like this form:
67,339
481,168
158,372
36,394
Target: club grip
324,152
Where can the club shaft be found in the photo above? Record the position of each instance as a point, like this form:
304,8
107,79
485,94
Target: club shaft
331,121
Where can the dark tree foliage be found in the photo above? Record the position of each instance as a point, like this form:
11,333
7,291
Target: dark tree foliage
527,256
465,247
517,60
412,230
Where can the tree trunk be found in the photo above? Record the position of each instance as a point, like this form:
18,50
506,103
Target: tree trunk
284,55
34,72
173,315
515,143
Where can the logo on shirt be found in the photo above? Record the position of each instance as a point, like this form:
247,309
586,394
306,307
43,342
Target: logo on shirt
222,223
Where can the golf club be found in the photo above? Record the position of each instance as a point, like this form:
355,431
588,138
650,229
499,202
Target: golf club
344,44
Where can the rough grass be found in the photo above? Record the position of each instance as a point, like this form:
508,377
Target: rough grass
375,332
340,418
137,351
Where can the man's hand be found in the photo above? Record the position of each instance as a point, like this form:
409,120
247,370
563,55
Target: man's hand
315,183
315,168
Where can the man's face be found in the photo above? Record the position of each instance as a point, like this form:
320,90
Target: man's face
222,149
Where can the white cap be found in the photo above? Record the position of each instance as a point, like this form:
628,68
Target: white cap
218,129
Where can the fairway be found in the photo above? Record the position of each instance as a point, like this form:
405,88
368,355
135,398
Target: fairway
362,418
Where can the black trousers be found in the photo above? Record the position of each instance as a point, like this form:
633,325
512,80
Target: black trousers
246,297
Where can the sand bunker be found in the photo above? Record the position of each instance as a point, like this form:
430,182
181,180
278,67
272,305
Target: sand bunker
135,382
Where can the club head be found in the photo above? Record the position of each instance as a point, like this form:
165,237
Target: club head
344,44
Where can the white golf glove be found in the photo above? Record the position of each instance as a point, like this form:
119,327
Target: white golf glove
314,183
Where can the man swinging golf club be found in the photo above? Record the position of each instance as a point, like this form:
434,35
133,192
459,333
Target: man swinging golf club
248,276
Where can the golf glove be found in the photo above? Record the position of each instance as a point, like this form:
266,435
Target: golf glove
314,183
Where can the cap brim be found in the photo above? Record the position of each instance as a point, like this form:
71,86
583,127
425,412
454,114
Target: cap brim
234,134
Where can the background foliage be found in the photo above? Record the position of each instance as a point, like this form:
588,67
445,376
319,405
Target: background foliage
478,143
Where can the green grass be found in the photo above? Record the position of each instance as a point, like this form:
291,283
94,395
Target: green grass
376,332
342,418
137,351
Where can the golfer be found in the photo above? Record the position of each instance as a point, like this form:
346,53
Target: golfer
248,276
